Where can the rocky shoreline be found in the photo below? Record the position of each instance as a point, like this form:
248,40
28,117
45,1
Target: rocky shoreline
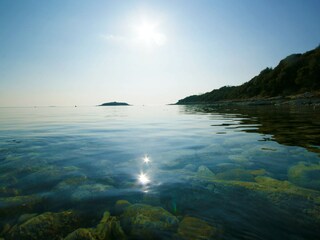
274,101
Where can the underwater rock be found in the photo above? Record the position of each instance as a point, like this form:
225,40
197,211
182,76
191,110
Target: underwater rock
109,228
49,175
88,191
12,206
238,158
70,183
121,205
6,191
190,167
277,190
5,229
191,228
239,174
81,234
147,222
305,175
26,217
205,172
151,198
280,193
49,226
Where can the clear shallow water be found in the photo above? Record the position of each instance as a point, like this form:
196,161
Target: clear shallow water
251,173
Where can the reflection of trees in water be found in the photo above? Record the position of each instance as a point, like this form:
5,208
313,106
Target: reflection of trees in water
293,126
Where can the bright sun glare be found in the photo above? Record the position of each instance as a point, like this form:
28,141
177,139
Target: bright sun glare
143,179
146,159
148,33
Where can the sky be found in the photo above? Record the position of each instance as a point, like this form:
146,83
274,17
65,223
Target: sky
81,52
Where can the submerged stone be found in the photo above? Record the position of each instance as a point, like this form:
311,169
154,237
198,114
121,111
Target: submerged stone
88,191
147,222
238,158
81,234
191,228
109,228
12,206
6,191
278,191
205,172
49,226
281,193
240,174
70,184
305,175
26,217
121,205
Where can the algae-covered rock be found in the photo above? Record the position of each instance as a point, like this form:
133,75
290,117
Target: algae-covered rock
305,175
70,183
205,172
49,226
121,205
12,206
5,229
109,228
89,191
276,189
147,222
240,174
19,200
26,217
238,158
82,234
191,228
6,191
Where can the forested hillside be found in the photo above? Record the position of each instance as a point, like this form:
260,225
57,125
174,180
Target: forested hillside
296,74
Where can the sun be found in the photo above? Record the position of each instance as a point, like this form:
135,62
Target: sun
148,33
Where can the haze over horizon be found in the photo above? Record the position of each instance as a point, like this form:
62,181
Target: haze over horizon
68,53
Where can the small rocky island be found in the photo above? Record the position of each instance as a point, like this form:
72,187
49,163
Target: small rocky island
115,104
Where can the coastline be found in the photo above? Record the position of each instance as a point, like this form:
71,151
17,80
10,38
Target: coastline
274,101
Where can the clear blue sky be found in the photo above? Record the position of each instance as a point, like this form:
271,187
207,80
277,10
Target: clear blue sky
143,52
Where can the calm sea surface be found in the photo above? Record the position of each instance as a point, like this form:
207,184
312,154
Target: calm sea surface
248,173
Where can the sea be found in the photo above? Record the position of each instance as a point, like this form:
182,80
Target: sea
231,172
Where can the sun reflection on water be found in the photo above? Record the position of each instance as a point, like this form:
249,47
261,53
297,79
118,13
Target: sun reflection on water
146,159
143,178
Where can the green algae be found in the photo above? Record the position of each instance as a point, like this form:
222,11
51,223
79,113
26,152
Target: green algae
191,228
238,158
12,206
270,186
239,174
108,229
279,192
25,217
89,191
205,172
81,234
145,221
305,175
70,183
121,205
6,191
50,226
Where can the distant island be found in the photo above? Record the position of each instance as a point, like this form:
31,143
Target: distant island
296,78
115,104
